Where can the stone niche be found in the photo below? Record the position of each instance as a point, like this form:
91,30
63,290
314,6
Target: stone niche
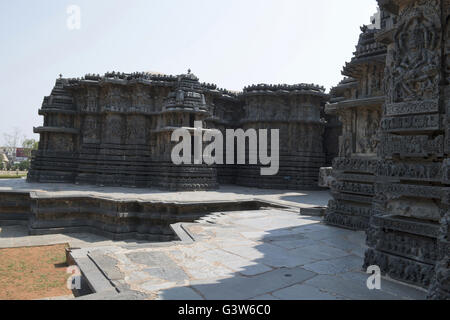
116,130
408,235
357,102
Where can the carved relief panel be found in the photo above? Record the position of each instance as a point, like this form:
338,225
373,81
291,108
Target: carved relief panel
136,132
368,121
114,97
447,48
447,75
414,62
91,130
91,100
60,142
113,130
141,98
346,140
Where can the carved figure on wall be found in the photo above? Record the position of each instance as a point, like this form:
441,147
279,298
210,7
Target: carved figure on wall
416,69
60,143
90,128
114,129
369,141
345,144
136,129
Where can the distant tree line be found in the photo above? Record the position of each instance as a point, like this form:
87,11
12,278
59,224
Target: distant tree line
14,140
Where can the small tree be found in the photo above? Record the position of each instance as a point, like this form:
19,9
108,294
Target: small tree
24,165
28,145
14,139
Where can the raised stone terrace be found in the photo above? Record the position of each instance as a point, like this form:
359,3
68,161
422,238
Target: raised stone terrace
270,250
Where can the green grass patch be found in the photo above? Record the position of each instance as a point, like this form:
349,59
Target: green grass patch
12,176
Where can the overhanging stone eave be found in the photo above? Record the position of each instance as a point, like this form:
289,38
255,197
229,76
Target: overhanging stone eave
45,111
353,69
56,130
364,102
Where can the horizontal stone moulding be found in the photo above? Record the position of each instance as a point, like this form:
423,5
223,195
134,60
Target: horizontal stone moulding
405,224
56,130
411,107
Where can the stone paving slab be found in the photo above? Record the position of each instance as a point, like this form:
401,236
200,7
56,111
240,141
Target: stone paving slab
241,288
106,264
350,289
235,258
304,292
17,236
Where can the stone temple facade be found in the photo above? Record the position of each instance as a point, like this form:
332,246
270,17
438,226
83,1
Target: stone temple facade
409,230
357,101
296,112
115,130
391,176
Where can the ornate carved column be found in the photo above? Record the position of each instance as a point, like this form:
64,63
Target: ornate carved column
408,235
440,287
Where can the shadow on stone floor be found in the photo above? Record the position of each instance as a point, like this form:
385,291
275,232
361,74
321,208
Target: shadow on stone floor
311,270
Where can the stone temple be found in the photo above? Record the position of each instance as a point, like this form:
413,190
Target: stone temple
116,130
391,176
385,129
357,101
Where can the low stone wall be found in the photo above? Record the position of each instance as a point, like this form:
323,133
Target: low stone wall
115,219
14,208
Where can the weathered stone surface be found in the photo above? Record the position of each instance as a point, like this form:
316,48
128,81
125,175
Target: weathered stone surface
116,130
325,177
246,288
392,181
304,292
409,224
357,101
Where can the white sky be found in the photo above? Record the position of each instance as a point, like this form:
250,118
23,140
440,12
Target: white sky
232,43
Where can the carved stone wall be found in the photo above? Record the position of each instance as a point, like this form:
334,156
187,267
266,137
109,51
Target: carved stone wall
116,130
296,112
408,233
357,102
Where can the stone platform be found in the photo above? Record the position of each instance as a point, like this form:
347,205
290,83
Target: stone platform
130,213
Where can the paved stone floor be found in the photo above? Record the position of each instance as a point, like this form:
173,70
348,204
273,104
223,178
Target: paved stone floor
305,199
264,254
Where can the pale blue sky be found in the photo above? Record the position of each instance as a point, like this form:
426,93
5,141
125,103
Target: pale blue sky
232,43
